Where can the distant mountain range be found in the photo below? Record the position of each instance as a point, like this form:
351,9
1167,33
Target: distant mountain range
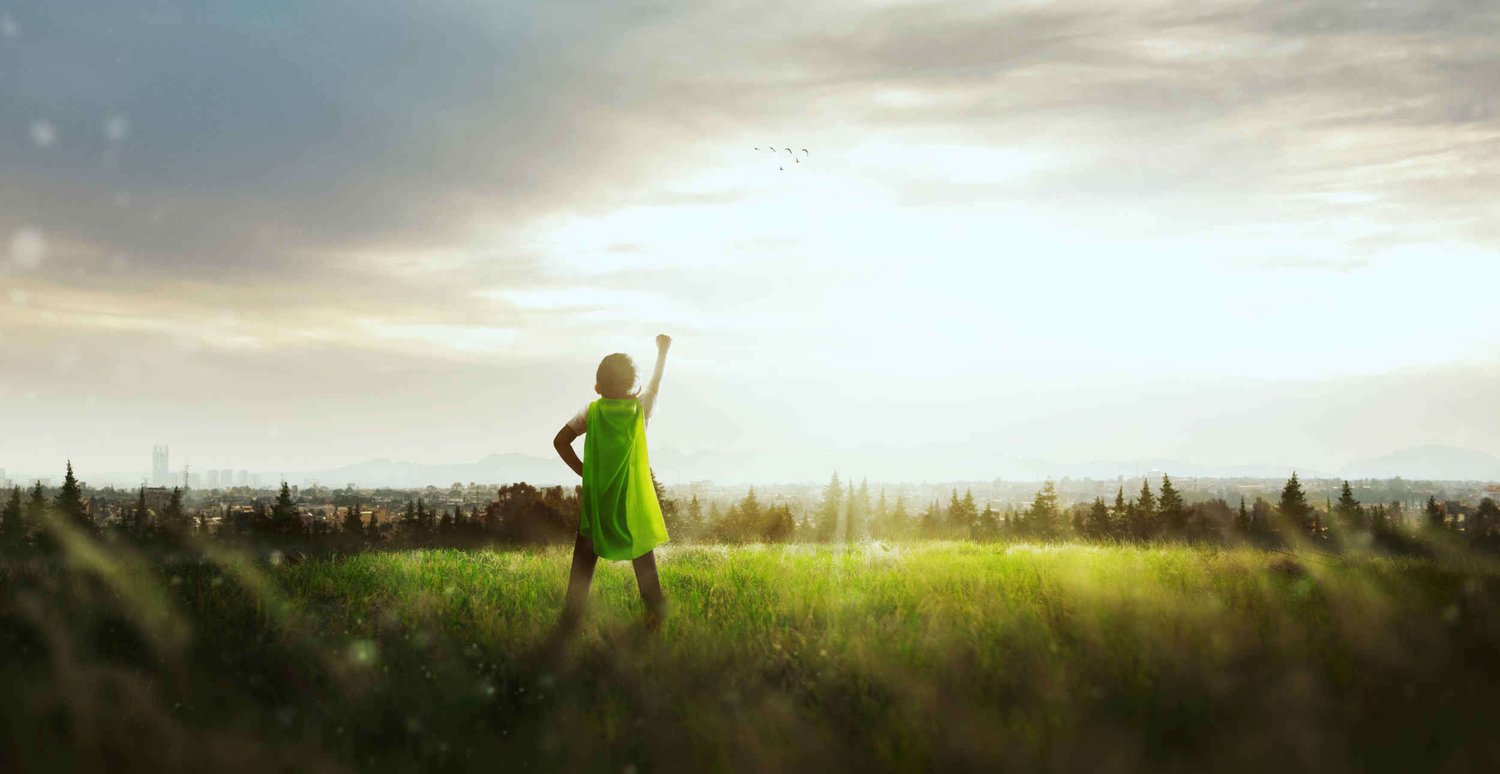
495,468
1434,462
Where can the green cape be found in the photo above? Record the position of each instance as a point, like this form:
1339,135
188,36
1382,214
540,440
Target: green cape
620,512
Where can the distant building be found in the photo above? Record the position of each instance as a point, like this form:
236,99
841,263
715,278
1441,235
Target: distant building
4,482
161,473
212,479
226,478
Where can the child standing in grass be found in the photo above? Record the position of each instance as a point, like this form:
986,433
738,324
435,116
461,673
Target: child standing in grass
621,517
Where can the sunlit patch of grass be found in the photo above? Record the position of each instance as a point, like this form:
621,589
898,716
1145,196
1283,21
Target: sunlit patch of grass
895,656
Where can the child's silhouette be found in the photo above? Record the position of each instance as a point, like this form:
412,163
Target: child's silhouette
621,518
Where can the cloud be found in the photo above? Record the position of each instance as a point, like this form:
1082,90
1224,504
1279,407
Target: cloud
188,184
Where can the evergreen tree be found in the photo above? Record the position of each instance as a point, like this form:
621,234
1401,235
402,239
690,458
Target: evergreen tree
694,520
880,523
1380,523
831,509
140,516
1348,513
928,523
858,525
852,515
448,522
12,519
900,521
1172,514
988,525
1293,508
778,527
1119,515
1242,518
1145,503
1437,518
373,527
1043,517
1096,524
715,516
174,518
285,519
962,515
70,504
669,512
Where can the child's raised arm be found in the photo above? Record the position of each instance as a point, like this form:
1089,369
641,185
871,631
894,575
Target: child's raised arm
663,343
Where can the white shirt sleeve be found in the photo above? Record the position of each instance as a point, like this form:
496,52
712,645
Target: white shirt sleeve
648,403
579,422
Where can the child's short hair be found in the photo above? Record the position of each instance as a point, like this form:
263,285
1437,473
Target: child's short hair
616,376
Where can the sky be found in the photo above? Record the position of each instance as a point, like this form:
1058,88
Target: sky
280,235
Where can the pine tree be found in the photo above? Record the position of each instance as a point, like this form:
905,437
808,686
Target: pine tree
174,517
38,511
930,519
1119,515
1169,507
1042,518
860,529
778,526
1437,518
852,516
140,516
962,515
285,520
900,522
988,525
12,519
1293,508
694,521
669,514
70,504
1349,514
831,509
879,524
1242,518
1096,524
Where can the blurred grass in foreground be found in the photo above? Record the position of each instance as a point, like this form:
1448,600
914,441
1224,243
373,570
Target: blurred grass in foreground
912,656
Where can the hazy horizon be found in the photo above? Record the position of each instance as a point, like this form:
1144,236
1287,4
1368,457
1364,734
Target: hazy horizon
292,238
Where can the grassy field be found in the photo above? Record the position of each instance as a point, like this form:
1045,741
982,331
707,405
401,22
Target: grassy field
911,657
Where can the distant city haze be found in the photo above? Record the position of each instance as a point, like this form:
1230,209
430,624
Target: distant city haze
1025,239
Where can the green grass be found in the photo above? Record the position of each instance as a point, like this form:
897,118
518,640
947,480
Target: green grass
914,657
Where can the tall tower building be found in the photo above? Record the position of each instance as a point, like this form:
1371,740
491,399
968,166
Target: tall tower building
161,473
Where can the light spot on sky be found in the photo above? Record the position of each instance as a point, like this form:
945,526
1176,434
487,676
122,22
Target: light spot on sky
28,248
116,128
43,133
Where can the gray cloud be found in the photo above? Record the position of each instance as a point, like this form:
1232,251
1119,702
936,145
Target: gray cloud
294,172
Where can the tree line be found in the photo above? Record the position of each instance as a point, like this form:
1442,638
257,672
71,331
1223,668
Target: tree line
521,514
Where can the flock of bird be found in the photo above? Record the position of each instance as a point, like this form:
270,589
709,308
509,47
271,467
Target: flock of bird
789,152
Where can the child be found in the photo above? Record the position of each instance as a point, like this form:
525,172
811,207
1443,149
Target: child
621,517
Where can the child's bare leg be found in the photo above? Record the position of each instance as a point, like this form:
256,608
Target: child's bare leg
650,584
580,577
